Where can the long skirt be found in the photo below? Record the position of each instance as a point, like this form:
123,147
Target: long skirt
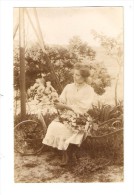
59,136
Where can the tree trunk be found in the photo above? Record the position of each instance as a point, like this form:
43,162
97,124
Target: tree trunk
116,85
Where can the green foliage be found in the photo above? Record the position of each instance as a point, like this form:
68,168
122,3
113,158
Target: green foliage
63,62
49,117
114,48
63,59
108,144
35,65
109,118
99,78
81,49
28,134
18,119
104,112
16,68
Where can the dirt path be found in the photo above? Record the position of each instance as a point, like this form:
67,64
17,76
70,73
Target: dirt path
45,168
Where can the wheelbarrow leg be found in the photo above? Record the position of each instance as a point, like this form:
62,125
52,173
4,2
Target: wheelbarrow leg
41,119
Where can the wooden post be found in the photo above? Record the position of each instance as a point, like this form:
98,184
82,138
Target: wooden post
22,63
41,42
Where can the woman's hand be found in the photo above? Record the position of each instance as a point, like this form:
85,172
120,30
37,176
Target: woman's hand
62,106
59,106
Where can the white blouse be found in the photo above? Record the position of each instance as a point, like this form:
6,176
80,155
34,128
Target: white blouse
80,100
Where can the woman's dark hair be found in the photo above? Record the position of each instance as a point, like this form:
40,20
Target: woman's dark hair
84,70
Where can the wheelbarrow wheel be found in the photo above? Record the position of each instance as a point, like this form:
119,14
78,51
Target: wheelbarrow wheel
28,137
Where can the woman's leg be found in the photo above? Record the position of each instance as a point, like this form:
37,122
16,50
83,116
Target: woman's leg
73,152
65,158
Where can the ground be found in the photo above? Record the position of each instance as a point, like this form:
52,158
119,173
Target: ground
44,168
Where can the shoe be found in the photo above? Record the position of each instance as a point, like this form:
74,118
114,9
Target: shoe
64,164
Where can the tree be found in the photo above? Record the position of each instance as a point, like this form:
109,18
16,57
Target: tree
99,78
36,64
113,48
63,59
81,49
16,68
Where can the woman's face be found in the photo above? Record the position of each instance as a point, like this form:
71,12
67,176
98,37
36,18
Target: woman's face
77,77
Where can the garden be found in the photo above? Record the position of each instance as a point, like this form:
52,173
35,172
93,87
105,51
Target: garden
100,157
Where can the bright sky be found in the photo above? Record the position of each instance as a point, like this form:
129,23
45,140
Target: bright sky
58,25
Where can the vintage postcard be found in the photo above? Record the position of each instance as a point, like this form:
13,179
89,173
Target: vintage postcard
67,102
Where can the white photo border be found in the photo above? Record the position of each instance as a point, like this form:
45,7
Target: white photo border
7,185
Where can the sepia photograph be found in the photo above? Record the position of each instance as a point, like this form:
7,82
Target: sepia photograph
66,97
68,94
68,71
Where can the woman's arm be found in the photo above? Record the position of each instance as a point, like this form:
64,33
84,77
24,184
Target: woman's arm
62,106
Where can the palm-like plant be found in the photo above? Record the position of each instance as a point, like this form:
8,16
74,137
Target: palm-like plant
109,118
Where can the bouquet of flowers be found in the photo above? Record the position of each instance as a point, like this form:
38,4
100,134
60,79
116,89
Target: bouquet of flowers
76,122
42,92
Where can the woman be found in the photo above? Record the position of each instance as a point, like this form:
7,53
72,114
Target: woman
76,97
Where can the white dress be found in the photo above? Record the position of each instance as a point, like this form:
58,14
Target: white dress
58,135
